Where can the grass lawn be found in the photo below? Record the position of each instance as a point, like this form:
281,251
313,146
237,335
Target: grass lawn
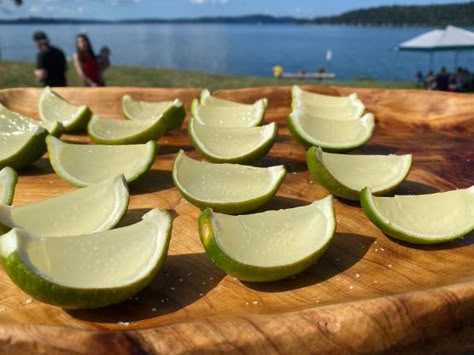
20,74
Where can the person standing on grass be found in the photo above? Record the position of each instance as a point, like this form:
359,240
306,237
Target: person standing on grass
51,62
86,63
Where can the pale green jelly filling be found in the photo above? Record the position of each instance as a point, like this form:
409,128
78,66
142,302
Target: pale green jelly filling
11,143
57,109
230,142
215,101
143,110
94,163
274,238
358,171
333,131
117,128
106,259
79,212
341,112
319,99
435,214
14,122
225,182
227,116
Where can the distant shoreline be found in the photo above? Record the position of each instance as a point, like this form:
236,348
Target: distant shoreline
457,14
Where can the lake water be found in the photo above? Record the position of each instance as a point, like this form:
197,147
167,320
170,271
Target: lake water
245,49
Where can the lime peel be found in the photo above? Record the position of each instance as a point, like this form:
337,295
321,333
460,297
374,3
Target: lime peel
226,144
226,188
271,245
54,108
8,180
120,131
172,112
345,175
91,209
422,219
35,263
83,165
228,115
321,132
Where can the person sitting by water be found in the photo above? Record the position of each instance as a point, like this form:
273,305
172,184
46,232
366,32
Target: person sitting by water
51,65
86,63
430,81
420,81
442,80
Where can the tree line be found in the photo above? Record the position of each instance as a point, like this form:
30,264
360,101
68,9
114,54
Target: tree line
396,15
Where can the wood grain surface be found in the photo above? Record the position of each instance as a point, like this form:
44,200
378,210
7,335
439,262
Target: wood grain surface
367,294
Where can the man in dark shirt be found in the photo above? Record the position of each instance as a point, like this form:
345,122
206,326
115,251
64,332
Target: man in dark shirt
51,63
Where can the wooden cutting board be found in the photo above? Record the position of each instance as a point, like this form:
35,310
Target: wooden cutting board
368,293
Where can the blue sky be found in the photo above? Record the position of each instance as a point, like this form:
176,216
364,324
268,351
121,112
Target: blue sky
117,9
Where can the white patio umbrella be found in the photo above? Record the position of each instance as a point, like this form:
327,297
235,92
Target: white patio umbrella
450,39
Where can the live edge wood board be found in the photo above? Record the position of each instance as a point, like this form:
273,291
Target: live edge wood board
367,294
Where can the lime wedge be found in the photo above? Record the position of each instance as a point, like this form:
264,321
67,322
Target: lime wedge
207,99
422,219
91,270
226,188
232,144
270,245
229,115
11,121
172,111
116,131
91,209
54,108
21,149
320,99
331,135
346,175
329,112
85,164
8,180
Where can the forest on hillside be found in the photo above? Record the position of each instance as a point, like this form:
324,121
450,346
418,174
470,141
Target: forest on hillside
396,15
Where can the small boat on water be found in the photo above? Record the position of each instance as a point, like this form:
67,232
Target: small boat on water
278,72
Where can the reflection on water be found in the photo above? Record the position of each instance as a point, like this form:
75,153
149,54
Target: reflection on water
244,49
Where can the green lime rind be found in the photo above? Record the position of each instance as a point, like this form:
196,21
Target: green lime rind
17,122
234,207
229,115
114,164
326,179
206,98
30,152
41,288
92,209
367,201
307,140
173,114
319,171
8,180
117,131
75,119
248,157
174,117
55,128
253,273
